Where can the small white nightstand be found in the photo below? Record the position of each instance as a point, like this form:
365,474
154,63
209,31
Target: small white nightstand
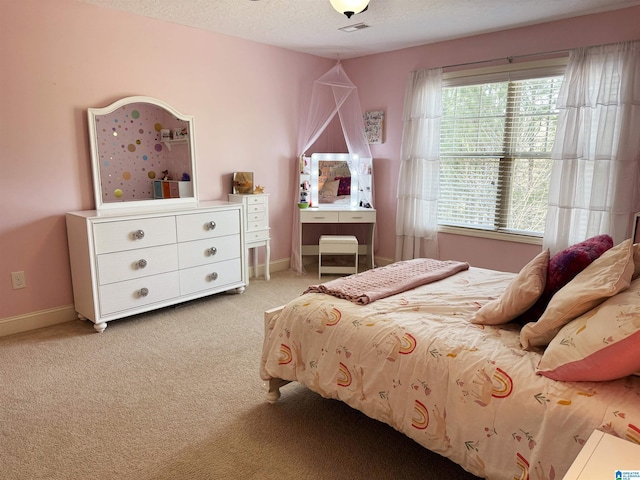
603,456
256,227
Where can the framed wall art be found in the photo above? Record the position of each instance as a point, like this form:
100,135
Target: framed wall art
373,126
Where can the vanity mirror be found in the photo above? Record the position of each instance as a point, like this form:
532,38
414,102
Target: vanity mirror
142,153
340,180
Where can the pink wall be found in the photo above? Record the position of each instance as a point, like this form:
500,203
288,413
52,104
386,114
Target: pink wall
61,56
381,83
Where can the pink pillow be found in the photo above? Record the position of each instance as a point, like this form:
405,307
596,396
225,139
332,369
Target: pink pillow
600,345
563,267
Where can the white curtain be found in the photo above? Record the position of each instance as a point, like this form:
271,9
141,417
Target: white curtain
595,180
419,178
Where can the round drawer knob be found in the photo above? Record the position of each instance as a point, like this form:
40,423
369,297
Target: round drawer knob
212,276
138,234
212,251
141,263
143,292
211,225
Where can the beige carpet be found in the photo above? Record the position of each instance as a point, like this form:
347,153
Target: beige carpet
176,394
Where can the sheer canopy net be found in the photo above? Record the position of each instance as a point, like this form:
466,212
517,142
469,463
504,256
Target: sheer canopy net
333,96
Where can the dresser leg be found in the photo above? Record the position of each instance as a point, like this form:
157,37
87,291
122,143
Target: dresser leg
99,327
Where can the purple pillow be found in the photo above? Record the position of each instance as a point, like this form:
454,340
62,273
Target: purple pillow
563,267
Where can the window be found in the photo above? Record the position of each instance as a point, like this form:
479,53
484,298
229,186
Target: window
495,150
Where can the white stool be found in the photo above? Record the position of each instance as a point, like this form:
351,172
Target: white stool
337,245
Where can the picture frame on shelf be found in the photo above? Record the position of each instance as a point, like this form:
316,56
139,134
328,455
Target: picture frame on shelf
242,183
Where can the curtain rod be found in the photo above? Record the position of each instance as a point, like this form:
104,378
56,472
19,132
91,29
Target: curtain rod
510,58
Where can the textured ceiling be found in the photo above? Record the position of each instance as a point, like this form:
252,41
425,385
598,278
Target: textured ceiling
311,26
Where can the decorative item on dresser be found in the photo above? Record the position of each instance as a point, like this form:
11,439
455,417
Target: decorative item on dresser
256,227
138,251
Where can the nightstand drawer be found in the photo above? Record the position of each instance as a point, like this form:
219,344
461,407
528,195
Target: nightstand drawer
130,264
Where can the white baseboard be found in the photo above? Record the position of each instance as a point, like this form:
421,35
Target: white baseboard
54,316
35,320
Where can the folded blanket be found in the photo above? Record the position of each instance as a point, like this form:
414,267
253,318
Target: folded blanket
371,285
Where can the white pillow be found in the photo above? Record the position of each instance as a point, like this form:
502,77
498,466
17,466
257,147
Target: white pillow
519,296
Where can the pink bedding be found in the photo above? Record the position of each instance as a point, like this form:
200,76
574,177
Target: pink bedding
372,285
465,391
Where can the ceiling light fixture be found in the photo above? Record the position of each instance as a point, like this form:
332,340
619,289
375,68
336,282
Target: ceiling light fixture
350,7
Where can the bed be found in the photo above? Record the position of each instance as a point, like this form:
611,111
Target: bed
468,391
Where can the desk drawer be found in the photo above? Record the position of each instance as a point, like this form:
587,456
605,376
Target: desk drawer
358,216
198,252
207,225
130,234
315,216
130,264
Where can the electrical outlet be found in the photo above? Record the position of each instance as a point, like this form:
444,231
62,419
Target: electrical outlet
18,280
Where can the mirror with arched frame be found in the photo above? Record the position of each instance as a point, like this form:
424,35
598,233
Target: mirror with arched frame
142,153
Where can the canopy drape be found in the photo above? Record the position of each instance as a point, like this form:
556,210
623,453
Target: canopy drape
332,94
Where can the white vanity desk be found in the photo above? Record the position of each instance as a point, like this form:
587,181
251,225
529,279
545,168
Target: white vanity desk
336,216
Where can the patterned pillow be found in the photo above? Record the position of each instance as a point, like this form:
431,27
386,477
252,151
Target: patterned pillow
600,345
563,267
605,277
520,295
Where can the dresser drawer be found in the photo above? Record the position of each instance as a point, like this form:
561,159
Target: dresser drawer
207,225
359,216
210,250
319,216
130,234
120,296
119,266
207,277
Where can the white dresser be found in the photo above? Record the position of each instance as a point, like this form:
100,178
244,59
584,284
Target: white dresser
256,225
130,261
